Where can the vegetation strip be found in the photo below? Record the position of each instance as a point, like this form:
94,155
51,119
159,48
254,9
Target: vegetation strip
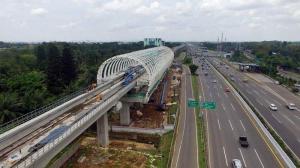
200,126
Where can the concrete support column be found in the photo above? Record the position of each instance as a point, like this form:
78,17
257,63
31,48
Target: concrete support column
125,114
102,131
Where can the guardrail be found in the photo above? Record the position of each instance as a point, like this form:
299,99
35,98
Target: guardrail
28,116
104,106
288,162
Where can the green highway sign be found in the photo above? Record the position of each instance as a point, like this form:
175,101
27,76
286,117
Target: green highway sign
193,103
208,105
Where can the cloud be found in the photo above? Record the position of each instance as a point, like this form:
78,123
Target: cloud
38,11
147,10
67,25
109,20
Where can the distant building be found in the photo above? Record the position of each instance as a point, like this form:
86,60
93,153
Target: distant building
153,42
228,55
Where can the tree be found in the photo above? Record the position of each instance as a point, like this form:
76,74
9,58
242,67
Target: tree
8,104
41,57
193,68
54,76
69,72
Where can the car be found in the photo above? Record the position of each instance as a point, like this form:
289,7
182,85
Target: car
273,107
243,141
214,81
291,106
245,80
236,163
227,89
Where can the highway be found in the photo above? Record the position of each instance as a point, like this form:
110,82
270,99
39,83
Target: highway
185,148
226,123
261,92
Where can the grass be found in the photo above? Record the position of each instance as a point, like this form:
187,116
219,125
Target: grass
200,127
164,149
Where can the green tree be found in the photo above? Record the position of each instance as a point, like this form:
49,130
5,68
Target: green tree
41,57
8,104
54,76
193,68
69,72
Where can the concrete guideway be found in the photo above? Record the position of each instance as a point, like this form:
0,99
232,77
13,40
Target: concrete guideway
274,147
186,150
97,112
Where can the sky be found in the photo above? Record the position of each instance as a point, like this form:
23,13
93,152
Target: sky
133,20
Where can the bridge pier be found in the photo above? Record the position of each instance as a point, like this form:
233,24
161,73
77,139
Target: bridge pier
102,131
125,114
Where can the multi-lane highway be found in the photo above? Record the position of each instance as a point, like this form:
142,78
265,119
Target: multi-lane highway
185,148
261,92
226,123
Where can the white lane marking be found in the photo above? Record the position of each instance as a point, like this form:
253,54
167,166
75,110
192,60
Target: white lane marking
232,107
268,102
262,165
286,117
218,94
230,125
298,140
276,118
183,125
277,102
242,157
210,95
260,103
249,92
226,95
243,125
297,117
256,92
219,124
223,106
225,156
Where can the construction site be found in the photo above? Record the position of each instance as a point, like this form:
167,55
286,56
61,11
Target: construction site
142,143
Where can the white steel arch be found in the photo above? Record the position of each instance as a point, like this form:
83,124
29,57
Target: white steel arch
154,60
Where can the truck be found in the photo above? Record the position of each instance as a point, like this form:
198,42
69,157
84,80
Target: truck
243,141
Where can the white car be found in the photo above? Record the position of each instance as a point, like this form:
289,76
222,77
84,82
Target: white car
273,107
236,163
291,106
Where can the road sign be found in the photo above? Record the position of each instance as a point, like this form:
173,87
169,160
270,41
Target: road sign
208,105
193,103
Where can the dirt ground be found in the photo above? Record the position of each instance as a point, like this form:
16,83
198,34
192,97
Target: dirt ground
121,154
153,117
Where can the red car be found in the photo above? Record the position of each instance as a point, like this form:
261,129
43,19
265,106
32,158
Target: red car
227,89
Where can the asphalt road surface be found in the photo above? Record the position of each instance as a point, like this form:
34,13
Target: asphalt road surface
185,153
261,94
226,123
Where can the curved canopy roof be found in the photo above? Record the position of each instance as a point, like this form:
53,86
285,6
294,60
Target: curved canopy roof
154,60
